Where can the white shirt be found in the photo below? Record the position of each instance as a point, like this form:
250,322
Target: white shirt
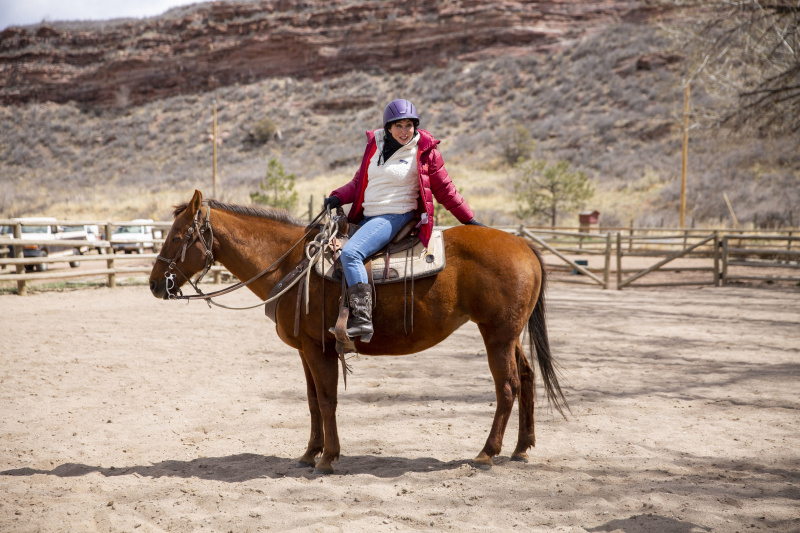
392,187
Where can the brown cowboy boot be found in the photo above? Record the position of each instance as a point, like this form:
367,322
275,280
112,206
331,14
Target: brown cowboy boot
359,323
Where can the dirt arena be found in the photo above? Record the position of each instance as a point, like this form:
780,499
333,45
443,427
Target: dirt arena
122,413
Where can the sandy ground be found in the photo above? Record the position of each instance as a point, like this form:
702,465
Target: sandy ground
124,413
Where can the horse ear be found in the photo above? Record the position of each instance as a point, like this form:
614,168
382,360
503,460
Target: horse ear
197,200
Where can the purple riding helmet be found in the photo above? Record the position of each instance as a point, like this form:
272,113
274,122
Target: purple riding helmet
400,109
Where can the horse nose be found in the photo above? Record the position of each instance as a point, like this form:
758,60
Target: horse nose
157,291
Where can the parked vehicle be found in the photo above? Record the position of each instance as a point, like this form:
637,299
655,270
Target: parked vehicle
138,237
42,229
89,233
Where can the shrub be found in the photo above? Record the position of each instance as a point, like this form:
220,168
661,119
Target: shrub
279,188
263,131
516,145
545,190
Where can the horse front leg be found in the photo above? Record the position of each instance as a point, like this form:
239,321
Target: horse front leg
503,366
324,370
526,437
317,441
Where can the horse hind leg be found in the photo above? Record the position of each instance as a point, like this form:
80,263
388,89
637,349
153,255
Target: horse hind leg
502,364
527,437
316,441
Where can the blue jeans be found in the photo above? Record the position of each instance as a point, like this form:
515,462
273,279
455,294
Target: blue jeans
374,233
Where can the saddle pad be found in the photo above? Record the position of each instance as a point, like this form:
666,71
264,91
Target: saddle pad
426,262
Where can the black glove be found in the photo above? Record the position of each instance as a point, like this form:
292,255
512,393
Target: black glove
332,202
474,222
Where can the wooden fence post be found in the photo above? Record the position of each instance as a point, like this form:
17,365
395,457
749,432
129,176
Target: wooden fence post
716,258
22,288
619,260
607,266
112,277
724,259
630,244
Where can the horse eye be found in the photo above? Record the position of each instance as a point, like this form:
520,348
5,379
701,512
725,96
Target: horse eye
176,239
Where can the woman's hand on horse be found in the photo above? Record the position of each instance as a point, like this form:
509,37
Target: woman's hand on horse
474,222
332,202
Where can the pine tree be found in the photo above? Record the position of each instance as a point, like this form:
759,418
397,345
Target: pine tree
546,190
278,187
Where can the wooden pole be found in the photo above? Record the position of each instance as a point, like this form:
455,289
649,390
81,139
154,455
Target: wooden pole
112,276
215,148
630,243
607,263
685,155
717,247
730,208
724,276
22,288
619,261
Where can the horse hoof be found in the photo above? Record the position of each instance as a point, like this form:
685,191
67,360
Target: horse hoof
304,464
323,471
482,463
520,457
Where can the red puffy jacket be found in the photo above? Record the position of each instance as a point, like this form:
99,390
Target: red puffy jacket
434,182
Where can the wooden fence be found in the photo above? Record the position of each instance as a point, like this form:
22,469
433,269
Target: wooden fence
674,247
714,257
563,243
726,256
12,255
765,253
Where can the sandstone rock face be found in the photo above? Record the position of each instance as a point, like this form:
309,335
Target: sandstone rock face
130,63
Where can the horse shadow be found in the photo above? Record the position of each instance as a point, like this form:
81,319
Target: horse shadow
248,466
647,523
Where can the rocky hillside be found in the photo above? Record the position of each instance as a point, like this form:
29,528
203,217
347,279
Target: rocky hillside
114,119
201,49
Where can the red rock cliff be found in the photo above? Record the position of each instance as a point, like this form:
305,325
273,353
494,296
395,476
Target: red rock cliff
226,43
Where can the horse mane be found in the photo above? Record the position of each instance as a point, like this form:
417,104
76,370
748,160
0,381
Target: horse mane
278,215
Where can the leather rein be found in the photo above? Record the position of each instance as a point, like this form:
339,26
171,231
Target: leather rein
196,232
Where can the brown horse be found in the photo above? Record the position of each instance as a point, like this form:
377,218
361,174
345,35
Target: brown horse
493,278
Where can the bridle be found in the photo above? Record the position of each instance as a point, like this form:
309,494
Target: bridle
195,233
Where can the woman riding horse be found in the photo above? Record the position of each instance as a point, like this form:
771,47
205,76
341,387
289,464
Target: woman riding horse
400,174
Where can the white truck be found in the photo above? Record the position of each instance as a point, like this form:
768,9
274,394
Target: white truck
87,232
136,237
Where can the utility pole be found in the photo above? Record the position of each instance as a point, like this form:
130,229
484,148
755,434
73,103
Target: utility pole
215,148
685,154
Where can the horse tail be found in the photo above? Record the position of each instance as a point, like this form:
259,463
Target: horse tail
538,343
